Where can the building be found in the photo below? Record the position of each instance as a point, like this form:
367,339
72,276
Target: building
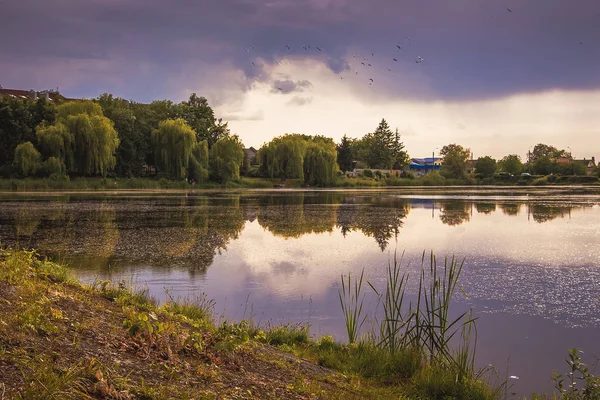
422,166
251,155
49,95
590,165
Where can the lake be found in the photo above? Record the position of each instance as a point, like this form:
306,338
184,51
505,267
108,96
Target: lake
531,256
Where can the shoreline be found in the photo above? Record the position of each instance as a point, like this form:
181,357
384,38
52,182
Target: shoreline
60,338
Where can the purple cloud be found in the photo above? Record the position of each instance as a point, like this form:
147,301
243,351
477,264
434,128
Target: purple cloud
471,49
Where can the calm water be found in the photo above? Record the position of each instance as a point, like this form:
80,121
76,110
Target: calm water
532,257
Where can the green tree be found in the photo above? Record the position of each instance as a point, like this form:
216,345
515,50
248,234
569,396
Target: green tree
542,150
454,165
27,159
54,168
226,158
312,159
543,165
173,142
82,137
511,164
377,148
345,154
485,166
320,161
579,168
135,137
283,157
56,141
18,120
399,155
198,164
200,116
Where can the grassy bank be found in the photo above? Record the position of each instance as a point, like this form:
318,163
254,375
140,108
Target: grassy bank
30,185
62,339
434,179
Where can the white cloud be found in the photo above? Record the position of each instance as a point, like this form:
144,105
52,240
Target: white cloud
351,106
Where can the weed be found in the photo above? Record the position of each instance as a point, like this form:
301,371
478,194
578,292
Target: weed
579,372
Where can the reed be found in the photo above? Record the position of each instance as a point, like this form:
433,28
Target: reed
352,305
425,324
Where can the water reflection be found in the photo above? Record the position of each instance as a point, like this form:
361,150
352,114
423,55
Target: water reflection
455,212
189,231
543,213
534,259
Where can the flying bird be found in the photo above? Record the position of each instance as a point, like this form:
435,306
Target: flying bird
369,65
371,79
395,59
362,63
305,48
253,63
508,9
341,77
390,70
419,60
319,49
398,46
373,54
288,47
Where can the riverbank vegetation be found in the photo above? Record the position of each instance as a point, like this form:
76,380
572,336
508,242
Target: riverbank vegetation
113,138
63,339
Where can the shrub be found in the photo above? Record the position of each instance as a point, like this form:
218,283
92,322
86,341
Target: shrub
367,173
407,175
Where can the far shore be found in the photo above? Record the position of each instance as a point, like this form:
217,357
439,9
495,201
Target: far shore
112,185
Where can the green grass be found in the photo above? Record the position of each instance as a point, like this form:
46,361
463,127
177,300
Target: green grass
416,350
415,337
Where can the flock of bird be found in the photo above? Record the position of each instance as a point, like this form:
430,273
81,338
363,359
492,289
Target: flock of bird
365,62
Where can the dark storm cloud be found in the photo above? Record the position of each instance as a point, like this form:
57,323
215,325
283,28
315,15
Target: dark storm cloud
472,49
289,86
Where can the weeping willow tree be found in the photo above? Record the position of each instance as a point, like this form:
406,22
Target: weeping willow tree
27,159
283,157
173,142
312,159
226,158
56,141
82,138
320,162
198,163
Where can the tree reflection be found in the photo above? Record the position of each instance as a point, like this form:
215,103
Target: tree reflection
454,213
543,213
511,209
381,220
167,233
289,218
485,208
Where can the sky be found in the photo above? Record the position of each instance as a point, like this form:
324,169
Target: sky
495,76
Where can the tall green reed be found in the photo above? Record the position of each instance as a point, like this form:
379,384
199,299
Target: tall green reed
352,306
424,324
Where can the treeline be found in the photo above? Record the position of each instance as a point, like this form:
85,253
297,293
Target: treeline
116,137
113,137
